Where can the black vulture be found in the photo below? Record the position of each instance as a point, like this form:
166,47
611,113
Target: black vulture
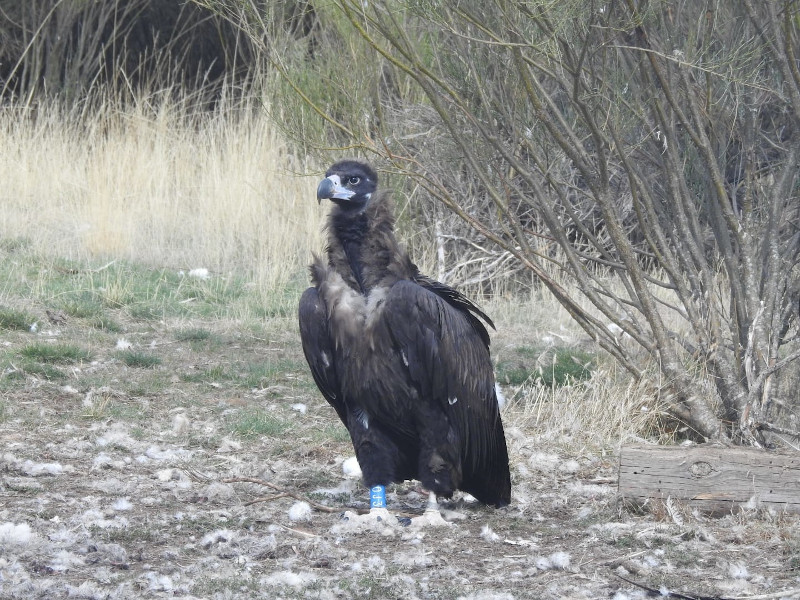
403,359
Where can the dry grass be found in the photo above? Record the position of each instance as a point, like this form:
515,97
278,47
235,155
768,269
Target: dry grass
606,411
159,186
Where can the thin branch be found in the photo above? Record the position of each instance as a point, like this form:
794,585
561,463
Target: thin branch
281,492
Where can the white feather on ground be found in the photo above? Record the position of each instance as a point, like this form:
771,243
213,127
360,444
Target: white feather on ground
488,534
121,504
351,468
36,469
557,560
12,534
300,511
284,578
180,424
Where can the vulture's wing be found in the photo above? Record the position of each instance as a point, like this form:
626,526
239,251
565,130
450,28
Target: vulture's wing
318,348
448,361
461,302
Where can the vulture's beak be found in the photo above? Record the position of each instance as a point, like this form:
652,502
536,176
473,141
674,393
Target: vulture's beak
331,188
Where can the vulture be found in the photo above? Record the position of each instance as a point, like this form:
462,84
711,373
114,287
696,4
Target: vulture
403,359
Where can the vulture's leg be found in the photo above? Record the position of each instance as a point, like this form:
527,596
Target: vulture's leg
377,497
377,503
433,504
381,462
431,517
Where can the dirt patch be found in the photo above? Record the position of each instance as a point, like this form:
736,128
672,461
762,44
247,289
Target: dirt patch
113,485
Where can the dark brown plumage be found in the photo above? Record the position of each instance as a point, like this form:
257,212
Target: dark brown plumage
403,359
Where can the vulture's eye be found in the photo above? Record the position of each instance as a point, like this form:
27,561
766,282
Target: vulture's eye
354,180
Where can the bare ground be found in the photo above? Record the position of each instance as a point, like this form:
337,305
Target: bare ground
113,485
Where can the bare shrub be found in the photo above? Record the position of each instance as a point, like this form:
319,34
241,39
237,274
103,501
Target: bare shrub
640,160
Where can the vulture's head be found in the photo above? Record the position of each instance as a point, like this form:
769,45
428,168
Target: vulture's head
350,184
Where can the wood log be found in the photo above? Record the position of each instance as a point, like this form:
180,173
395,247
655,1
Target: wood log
715,479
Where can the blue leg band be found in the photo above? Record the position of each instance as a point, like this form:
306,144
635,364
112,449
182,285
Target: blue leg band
377,497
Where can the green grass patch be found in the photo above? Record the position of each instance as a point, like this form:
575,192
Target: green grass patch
88,290
15,319
55,353
106,323
146,312
550,367
14,372
216,374
261,375
258,375
137,359
332,432
103,406
255,422
137,534
139,433
624,541
15,244
193,335
151,386
281,302
43,370
81,304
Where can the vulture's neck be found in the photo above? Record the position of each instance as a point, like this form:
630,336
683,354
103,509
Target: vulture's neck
350,231
363,249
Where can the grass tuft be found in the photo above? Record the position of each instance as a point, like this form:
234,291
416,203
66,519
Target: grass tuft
15,319
137,359
256,422
82,305
549,367
35,369
193,335
12,245
55,353
97,407
106,324
603,411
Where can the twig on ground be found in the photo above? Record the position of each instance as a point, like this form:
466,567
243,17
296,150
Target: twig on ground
668,594
266,498
281,492
299,531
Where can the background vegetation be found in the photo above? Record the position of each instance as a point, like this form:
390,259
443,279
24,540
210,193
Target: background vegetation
636,161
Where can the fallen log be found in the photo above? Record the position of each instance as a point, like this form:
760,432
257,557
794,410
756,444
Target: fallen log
715,479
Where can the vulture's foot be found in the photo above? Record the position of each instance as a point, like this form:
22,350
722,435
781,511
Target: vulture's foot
375,519
430,518
382,515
